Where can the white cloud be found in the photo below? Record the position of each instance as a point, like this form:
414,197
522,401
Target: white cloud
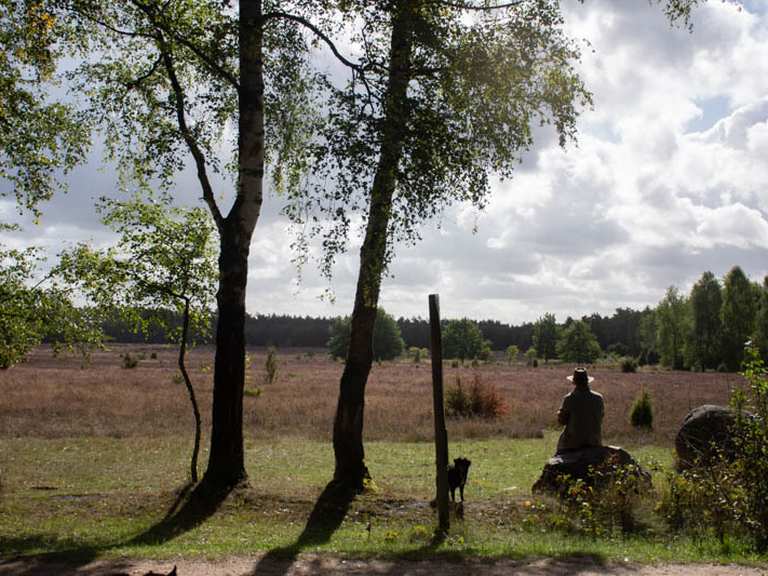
669,179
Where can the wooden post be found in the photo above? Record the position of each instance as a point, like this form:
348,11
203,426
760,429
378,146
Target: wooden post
441,435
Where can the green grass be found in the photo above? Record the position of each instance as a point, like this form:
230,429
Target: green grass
90,497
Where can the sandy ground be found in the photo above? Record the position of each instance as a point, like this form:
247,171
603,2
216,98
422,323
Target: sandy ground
322,565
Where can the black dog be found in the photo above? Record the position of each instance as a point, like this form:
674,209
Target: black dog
457,476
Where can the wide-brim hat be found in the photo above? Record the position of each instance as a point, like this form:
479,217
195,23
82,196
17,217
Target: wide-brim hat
580,376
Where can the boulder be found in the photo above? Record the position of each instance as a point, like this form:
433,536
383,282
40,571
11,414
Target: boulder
581,465
705,432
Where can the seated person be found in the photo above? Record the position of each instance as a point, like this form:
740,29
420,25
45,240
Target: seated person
582,415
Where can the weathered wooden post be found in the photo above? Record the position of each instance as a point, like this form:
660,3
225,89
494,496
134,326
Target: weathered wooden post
441,435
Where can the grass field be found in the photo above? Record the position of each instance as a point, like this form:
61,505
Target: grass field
92,461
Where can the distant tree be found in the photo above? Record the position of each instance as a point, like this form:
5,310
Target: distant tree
673,328
578,344
737,315
648,333
462,339
706,303
164,259
545,335
338,343
761,323
512,353
617,349
387,342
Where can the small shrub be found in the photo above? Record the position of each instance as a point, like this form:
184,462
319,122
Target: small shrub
415,353
454,363
475,363
530,357
641,415
270,366
486,400
628,365
512,353
482,400
252,392
457,401
129,361
153,356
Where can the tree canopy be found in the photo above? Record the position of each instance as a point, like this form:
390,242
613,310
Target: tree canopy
578,344
462,339
545,335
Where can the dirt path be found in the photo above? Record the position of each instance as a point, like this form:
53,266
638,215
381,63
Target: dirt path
322,565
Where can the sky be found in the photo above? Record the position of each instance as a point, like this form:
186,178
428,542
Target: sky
668,179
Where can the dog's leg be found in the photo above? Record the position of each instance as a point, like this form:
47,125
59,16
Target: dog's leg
461,491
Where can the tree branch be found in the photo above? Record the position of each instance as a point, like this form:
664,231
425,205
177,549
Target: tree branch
137,81
486,8
192,144
356,68
111,28
319,33
214,66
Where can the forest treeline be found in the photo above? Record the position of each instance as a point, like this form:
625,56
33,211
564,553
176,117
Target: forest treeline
705,329
284,331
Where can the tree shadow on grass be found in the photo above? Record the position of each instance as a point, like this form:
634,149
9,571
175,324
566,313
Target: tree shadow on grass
326,516
191,508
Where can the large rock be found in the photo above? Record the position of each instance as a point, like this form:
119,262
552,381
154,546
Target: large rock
705,432
581,464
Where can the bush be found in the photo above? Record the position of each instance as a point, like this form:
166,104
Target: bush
153,356
129,361
730,494
270,366
457,401
701,500
606,503
530,357
641,415
480,401
751,438
628,365
512,353
415,353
